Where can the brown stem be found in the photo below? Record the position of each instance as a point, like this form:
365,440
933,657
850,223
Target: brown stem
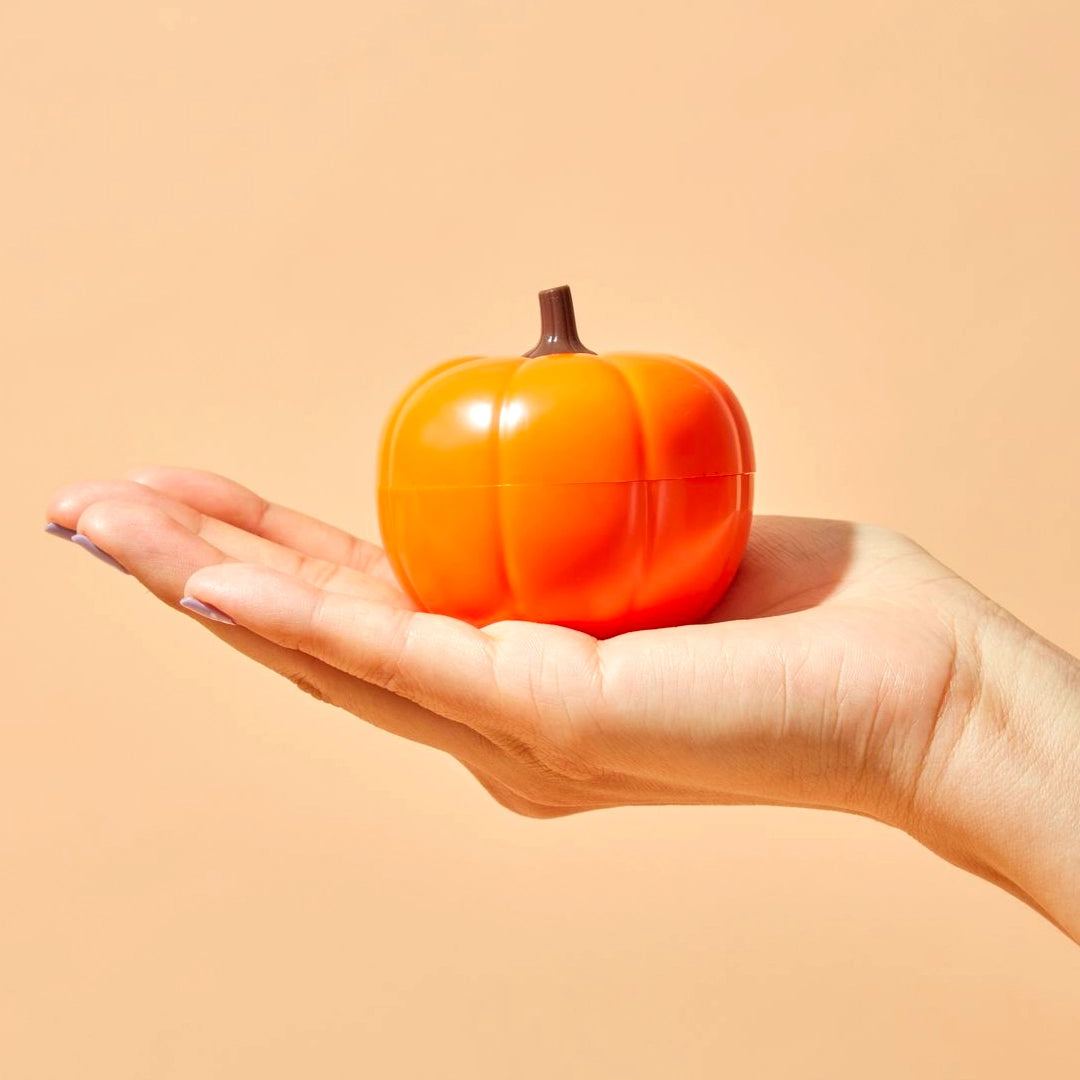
558,329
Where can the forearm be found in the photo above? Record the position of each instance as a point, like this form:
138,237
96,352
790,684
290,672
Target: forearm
1005,802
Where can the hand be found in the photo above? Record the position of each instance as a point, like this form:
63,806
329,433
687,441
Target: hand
842,669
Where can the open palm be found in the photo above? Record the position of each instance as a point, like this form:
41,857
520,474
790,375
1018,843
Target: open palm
827,675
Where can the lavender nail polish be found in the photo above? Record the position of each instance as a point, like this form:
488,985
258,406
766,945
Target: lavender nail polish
207,611
56,529
88,545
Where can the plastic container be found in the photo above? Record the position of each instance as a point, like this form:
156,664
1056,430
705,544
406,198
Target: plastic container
603,493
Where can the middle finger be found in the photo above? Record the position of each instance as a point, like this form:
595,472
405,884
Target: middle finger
237,544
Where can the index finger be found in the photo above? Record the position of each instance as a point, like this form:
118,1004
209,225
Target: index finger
519,684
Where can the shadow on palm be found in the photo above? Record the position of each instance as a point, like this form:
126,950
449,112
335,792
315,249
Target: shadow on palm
791,564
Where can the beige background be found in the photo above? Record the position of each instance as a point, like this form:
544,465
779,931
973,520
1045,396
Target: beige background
231,233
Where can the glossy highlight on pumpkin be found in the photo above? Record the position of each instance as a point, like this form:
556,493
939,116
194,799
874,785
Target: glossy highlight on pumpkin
606,493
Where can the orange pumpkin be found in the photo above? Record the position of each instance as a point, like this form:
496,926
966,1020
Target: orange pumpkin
605,493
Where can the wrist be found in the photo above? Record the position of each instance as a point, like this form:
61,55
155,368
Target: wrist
999,794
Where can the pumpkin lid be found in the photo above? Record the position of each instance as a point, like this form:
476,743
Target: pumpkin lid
564,415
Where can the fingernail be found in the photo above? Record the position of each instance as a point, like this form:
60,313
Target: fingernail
88,545
55,529
207,611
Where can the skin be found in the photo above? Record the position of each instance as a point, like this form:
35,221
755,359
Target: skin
845,668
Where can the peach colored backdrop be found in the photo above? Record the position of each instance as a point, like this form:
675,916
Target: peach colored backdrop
231,233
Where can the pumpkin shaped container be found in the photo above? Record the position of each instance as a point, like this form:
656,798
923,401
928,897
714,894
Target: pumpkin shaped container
606,493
